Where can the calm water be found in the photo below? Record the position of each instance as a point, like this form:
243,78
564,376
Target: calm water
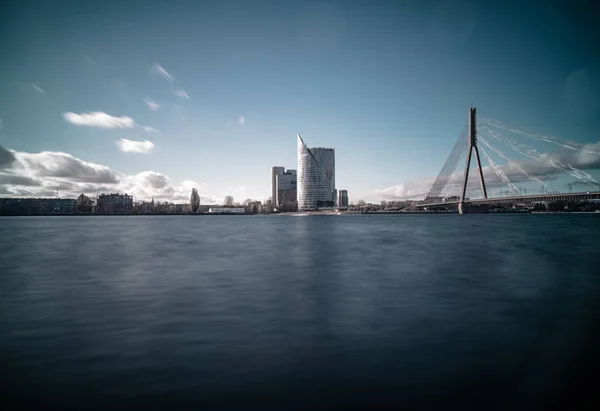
282,312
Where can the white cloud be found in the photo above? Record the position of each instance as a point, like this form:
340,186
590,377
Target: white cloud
103,120
99,119
50,164
151,184
182,93
410,190
131,146
151,104
241,120
160,70
39,174
38,89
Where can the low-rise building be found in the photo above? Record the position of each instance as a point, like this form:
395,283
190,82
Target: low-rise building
37,205
114,203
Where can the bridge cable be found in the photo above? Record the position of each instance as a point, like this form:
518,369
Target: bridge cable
458,151
516,165
570,145
543,158
498,170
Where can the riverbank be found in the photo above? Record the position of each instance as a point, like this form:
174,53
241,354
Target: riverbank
297,214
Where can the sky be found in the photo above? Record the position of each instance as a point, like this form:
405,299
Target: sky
157,97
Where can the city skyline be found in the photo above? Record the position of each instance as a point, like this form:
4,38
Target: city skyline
156,98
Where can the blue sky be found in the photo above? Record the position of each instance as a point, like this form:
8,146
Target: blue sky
228,84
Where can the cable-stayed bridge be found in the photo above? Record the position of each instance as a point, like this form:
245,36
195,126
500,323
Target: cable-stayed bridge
519,162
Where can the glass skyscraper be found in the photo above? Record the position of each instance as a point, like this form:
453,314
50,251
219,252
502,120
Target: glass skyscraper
316,177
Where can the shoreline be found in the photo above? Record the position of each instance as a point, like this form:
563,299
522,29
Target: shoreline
293,214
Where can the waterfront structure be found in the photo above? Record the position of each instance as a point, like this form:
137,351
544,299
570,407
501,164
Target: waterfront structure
343,198
108,203
227,210
316,177
37,205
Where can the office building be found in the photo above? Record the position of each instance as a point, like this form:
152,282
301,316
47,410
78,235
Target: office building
109,203
343,199
284,186
316,177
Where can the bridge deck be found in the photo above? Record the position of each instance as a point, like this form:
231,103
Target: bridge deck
588,195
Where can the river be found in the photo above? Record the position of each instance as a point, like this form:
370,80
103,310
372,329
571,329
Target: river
291,312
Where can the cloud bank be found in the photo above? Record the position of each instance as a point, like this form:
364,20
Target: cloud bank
40,174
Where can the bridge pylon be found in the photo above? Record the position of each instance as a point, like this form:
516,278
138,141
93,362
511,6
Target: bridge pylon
472,147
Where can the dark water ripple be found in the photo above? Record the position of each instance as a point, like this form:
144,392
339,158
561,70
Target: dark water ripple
281,312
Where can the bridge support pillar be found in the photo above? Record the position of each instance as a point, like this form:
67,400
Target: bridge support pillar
473,209
472,128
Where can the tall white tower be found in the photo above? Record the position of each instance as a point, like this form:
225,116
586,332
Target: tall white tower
316,177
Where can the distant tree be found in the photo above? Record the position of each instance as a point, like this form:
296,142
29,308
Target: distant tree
83,204
228,201
361,203
384,204
558,205
247,202
194,201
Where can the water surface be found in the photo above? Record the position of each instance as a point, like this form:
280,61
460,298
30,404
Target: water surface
281,312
